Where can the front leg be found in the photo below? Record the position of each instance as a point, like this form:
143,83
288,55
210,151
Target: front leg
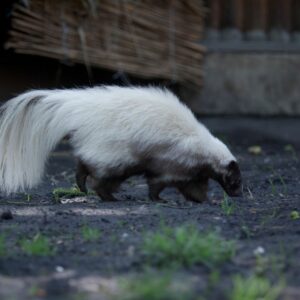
155,188
194,190
82,173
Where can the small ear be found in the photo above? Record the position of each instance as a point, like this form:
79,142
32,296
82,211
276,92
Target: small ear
233,166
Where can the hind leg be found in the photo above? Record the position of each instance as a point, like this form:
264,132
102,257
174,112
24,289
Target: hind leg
82,173
105,188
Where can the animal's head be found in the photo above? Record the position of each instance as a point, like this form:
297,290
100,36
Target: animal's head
230,179
225,169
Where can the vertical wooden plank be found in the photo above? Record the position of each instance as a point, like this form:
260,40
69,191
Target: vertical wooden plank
264,6
296,15
239,14
286,14
216,14
260,15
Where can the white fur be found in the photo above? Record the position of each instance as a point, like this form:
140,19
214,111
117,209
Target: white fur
110,126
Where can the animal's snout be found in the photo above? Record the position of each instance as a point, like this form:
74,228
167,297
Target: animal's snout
235,192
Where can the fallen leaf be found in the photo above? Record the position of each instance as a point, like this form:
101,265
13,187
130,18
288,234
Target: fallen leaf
256,150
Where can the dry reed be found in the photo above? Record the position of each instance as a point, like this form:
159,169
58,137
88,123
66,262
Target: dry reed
150,39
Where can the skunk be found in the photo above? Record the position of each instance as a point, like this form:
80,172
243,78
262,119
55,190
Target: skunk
115,132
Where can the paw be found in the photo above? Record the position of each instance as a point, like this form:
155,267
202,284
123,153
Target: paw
157,199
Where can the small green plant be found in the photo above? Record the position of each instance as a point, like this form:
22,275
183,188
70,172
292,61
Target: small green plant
67,193
275,174
245,231
283,183
268,218
151,286
36,291
39,245
2,245
254,288
28,197
90,234
228,207
273,187
290,148
275,264
295,215
185,245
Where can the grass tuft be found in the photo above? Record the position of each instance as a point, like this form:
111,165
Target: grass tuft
151,286
253,288
273,187
185,246
90,234
290,148
38,246
67,193
2,245
227,205
295,215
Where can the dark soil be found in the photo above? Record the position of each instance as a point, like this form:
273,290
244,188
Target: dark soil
80,268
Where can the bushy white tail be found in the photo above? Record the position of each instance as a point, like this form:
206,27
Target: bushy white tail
30,127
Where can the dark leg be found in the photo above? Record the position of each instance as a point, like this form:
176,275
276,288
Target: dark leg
194,190
82,173
154,190
105,188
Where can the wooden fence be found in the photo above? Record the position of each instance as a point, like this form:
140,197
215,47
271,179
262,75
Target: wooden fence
246,16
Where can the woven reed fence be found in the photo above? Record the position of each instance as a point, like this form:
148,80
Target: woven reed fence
150,39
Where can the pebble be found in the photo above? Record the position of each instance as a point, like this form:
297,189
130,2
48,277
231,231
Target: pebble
259,251
59,269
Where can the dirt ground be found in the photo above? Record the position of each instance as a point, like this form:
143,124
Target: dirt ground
81,269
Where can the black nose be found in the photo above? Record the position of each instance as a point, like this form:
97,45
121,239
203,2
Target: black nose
239,193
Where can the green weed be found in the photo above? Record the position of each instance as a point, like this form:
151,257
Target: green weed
28,197
151,286
254,288
245,231
2,245
37,292
67,193
39,245
268,218
283,183
290,148
281,179
273,264
186,246
228,206
273,187
295,215
90,234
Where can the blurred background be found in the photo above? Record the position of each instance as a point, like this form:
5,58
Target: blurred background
223,57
